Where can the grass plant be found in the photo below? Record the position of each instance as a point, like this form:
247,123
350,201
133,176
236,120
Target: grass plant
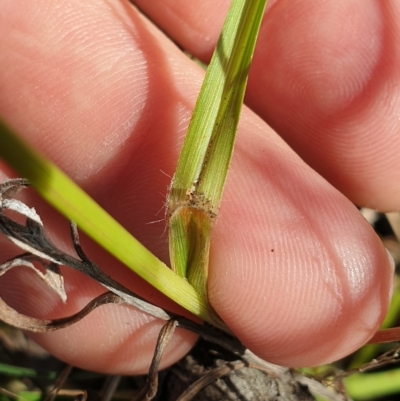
193,203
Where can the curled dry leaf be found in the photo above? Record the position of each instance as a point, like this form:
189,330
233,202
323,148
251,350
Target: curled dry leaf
31,238
52,276
388,358
149,391
16,319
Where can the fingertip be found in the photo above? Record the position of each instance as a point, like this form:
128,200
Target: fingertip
303,326
302,281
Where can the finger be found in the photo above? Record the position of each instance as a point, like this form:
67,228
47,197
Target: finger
333,92
295,271
88,107
130,123
325,77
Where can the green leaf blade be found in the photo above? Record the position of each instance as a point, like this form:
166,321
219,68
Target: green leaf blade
207,150
206,153
71,201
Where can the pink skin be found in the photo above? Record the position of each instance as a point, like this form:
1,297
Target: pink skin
295,271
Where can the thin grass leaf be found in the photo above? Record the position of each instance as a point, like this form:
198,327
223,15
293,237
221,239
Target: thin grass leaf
203,164
369,386
30,396
70,200
18,371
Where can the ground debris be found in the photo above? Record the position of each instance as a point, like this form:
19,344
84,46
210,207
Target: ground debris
241,383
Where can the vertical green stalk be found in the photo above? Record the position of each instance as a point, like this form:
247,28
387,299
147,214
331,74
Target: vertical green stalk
203,165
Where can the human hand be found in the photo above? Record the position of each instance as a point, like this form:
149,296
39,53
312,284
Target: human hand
295,271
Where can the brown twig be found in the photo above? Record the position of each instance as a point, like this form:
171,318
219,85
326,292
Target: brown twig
150,389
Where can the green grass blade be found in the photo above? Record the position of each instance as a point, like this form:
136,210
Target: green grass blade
18,371
206,153
70,200
198,183
30,396
369,386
